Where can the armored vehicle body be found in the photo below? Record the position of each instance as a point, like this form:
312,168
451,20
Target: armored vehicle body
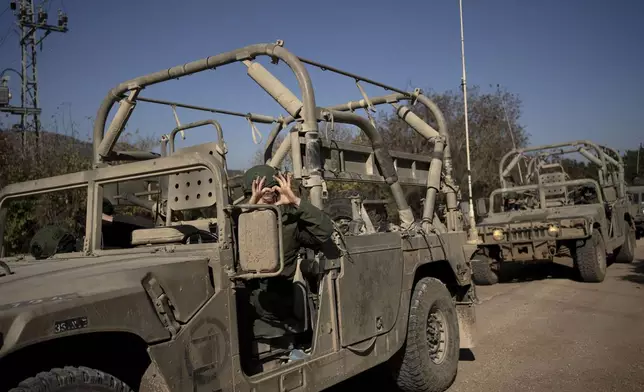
167,310
637,198
552,215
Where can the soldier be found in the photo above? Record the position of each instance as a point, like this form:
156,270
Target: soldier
303,225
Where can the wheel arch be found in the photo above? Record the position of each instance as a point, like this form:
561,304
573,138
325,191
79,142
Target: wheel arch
80,350
463,295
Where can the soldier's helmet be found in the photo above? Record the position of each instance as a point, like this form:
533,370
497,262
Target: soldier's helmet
50,240
259,171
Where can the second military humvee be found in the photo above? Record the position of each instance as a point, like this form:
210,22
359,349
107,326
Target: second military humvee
168,310
552,215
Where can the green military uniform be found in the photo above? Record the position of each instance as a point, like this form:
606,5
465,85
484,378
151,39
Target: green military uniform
302,226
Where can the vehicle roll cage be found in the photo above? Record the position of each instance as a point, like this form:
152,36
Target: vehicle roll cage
608,160
306,115
308,161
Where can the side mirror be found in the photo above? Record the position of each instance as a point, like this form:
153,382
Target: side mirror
481,207
259,240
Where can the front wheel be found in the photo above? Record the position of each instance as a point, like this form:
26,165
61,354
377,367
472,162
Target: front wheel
590,258
482,272
69,379
429,360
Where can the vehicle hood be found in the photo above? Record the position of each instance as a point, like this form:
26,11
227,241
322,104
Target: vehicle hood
82,276
42,299
592,211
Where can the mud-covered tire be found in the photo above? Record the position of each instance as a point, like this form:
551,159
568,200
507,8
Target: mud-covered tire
415,368
590,258
482,272
626,252
77,379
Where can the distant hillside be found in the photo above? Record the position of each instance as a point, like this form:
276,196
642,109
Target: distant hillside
51,140
55,146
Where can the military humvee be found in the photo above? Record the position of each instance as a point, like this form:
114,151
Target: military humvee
168,311
636,192
550,215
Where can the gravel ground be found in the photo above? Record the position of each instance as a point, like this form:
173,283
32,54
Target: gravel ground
553,333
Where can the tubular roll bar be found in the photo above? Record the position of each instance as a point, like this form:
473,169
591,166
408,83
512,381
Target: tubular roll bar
442,152
600,158
260,118
536,187
196,124
104,142
306,113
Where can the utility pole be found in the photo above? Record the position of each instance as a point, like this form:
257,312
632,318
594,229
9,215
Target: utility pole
32,23
473,233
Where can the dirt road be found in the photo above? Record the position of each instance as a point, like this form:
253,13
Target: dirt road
554,334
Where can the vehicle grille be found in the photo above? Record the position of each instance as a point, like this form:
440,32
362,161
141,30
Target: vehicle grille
528,234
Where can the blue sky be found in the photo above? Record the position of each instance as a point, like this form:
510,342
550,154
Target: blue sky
576,64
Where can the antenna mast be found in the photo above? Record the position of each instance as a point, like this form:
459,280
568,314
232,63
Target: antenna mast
473,233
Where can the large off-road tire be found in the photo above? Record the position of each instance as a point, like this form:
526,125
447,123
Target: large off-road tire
482,272
429,359
68,379
626,252
590,258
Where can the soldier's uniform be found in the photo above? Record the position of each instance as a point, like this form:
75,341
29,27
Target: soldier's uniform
302,226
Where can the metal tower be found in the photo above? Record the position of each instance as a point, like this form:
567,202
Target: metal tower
32,23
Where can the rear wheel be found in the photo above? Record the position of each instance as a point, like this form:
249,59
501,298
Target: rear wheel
68,379
590,258
626,252
429,360
482,272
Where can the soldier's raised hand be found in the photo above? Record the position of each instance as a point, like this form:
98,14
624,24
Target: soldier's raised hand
258,186
286,195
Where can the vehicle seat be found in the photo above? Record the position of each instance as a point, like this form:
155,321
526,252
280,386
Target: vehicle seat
194,189
180,233
556,195
187,191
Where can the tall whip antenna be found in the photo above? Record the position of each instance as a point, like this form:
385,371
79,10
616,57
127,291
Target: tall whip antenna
473,233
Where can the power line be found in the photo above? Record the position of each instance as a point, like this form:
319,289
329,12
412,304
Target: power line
6,35
5,10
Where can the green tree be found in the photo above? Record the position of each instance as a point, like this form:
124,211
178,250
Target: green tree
491,136
61,154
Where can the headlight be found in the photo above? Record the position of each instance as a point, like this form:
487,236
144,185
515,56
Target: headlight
498,235
553,230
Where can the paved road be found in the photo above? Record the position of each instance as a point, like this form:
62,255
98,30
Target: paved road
555,334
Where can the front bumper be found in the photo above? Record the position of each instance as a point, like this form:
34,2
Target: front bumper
534,241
